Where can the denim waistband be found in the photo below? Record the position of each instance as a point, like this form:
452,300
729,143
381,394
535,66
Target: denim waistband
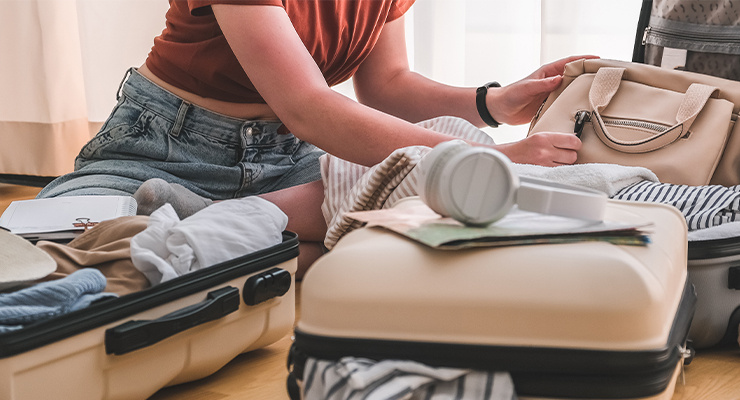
186,115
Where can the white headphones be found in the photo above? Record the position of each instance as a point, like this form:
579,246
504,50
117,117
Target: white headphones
476,185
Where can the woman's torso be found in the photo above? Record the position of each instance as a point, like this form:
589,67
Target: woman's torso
192,58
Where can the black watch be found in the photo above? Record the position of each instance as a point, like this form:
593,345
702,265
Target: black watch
480,102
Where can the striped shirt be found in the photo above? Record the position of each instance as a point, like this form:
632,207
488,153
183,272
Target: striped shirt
702,206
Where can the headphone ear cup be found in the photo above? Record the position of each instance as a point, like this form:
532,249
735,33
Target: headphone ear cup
474,185
431,167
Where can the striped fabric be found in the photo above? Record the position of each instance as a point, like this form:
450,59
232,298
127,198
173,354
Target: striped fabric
702,206
351,187
363,379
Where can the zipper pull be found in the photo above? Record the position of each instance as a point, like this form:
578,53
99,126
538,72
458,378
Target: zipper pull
645,35
582,117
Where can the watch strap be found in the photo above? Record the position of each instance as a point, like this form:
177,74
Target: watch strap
480,103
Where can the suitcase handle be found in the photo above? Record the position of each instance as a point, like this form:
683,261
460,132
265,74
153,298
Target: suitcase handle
137,334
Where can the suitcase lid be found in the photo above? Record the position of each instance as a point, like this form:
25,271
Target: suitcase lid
591,295
111,310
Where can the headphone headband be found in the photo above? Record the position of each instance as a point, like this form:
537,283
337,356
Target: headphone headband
477,185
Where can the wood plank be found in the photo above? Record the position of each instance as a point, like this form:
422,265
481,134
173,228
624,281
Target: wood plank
9,193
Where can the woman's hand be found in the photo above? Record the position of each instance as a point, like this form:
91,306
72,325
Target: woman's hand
547,149
517,103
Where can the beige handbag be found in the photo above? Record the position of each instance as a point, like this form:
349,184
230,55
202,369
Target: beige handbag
680,125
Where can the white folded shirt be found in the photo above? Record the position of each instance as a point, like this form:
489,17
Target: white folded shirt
169,248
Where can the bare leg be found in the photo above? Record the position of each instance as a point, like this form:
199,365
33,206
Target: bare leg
302,205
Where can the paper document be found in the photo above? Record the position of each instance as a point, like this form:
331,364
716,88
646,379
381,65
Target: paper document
422,224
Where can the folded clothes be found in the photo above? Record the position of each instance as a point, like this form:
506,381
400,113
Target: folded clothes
50,299
359,378
703,206
169,248
106,248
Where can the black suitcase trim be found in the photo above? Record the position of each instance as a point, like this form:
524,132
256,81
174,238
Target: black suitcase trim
714,248
536,371
111,310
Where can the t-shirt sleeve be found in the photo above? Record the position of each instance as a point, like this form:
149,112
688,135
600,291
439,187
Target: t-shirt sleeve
399,8
203,7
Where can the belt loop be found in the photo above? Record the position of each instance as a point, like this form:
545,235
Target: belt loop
180,119
120,86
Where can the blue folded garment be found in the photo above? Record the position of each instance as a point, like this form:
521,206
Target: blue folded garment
50,299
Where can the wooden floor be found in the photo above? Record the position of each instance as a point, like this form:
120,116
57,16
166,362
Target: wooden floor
713,375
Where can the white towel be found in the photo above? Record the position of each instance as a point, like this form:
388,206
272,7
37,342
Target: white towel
608,178
169,248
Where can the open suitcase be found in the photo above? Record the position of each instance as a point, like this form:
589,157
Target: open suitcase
180,330
579,320
703,37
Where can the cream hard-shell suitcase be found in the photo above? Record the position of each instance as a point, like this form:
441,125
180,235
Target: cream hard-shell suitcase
178,331
580,320
714,270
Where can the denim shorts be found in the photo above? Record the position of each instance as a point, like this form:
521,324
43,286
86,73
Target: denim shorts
152,133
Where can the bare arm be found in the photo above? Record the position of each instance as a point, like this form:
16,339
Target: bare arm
288,79
385,82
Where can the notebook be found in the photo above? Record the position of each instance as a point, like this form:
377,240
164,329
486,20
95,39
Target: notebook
63,218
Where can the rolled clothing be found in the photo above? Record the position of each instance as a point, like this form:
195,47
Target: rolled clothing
50,299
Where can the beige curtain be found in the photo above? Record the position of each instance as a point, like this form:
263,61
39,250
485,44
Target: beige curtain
61,63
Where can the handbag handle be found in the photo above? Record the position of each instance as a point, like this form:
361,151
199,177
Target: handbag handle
605,86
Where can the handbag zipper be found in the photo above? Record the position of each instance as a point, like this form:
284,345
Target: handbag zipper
693,36
649,126
583,116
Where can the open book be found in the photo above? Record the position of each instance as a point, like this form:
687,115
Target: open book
63,218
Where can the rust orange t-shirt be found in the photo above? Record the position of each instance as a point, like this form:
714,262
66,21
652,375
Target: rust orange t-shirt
192,52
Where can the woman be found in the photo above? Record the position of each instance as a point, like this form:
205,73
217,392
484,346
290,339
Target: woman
235,100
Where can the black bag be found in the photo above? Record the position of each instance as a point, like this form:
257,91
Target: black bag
693,35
